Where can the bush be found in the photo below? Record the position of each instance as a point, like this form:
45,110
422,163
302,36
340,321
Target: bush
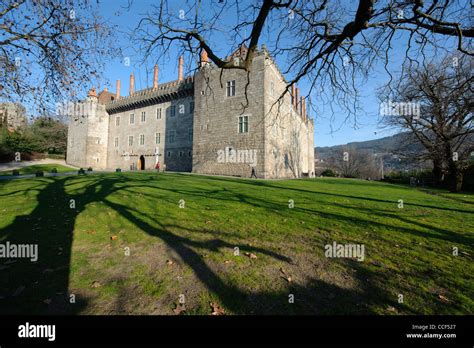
15,172
328,173
89,169
118,170
39,173
55,156
421,177
81,171
54,170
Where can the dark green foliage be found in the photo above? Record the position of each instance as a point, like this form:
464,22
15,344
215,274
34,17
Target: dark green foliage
421,177
328,173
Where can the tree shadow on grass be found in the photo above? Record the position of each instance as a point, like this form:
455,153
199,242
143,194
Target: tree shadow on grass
42,287
233,196
274,185
28,287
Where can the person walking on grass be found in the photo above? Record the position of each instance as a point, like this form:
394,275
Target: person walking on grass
254,173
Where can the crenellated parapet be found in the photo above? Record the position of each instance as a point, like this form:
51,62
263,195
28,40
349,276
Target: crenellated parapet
150,96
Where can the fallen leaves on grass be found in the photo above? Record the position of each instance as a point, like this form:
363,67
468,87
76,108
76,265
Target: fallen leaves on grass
113,238
444,299
216,309
227,262
180,308
285,275
169,262
251,255
96,284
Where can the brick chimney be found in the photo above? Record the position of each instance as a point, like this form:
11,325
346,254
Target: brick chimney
180,68
155,78
132,84
297,100
303,108
204,58
293,94
92,92
117,91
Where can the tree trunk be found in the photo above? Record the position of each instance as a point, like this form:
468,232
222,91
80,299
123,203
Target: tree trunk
455,177
437,172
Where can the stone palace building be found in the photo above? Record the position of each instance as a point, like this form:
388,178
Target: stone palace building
215,122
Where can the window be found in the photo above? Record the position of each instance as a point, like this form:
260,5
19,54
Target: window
191,107
142,139
157,138
181,153
190,134
173,110
132,118
130,140
117,121
171,135
116,142
243,124
143,116
190,153
158,114
231,88
168,154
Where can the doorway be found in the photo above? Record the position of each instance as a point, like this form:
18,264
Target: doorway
142,162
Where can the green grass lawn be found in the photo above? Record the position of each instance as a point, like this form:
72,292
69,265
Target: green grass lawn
135,242
42,167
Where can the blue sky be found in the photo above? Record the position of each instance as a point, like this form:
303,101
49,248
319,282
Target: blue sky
327,132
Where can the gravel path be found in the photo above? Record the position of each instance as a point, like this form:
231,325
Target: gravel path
21,164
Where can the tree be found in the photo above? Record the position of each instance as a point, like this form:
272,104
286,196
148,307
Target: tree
328,43
50,49
442,97
50,134
353,164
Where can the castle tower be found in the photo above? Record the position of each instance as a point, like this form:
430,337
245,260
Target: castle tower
88,133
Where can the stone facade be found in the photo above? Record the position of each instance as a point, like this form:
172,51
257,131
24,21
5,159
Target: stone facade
88,135
12,116
212,123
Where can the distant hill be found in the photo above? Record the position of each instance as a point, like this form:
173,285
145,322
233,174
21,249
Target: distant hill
388,147
386,144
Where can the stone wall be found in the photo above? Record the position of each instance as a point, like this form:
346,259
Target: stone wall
12,116
288,134
177,155
216,122
88,135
